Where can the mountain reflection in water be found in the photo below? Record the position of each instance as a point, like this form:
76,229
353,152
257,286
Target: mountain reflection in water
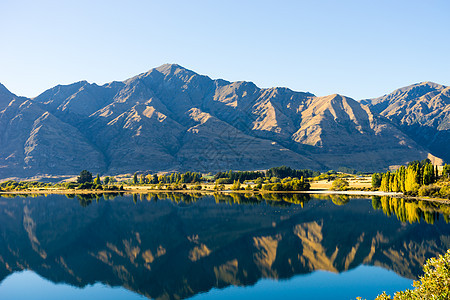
172,245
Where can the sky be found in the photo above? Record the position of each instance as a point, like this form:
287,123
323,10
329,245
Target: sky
361,49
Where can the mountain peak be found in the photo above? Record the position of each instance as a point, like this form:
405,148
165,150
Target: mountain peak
167,69
5,96
4,90
419,89
336,98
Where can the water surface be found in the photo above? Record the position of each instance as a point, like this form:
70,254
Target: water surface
240,246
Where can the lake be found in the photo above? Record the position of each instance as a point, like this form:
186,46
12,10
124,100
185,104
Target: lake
177,246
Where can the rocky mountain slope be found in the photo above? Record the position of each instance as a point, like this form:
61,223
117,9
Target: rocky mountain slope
171,118
422,111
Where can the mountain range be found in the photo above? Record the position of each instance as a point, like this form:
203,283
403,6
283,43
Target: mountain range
173,119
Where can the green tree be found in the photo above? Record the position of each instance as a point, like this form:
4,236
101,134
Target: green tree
85,176
376,180
135,179
97,180
428,174
106,180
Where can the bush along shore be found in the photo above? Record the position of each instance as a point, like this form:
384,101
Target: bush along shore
433,284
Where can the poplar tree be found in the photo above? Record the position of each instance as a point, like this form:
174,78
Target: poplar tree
97,180
396,185
428,174
411,179
384,186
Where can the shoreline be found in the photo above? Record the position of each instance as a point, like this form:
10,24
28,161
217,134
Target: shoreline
210,192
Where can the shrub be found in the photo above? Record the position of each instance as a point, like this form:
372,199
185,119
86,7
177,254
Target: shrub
434,284
71,185
445,191
339,185
429,190
85,186
224,181
111,188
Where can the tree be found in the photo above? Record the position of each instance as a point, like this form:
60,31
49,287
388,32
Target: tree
428,174
376,180
154,179
135,180
384,186
396,183
411,184
446,171
97,180
106,180
339,185
85,176
236,185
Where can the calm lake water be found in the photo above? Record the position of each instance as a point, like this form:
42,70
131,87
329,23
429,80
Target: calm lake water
169,246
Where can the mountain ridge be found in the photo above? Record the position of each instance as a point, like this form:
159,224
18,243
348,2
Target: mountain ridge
422,111
171,118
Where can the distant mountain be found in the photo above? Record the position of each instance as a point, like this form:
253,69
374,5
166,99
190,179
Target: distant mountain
171,118
422,111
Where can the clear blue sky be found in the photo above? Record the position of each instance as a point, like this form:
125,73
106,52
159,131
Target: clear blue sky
358,48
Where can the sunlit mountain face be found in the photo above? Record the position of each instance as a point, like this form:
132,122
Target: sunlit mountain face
172,246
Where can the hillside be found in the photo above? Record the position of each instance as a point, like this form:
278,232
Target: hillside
422,111
171,118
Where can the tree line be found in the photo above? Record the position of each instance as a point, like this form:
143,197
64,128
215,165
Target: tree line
279,172
410,179
188,177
